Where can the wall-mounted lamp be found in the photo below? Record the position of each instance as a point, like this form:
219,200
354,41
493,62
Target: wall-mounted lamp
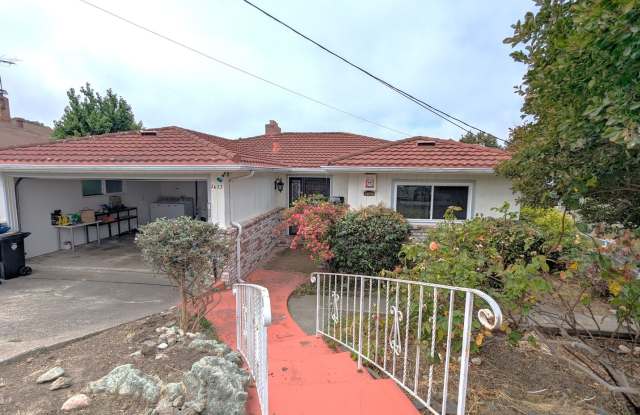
278,184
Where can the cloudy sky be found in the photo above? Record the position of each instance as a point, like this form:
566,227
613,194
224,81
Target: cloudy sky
449,53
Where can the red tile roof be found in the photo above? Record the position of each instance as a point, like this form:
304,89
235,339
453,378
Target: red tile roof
182,147
306,149
424,152
169,146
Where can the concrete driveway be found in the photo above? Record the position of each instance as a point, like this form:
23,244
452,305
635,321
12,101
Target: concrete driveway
70,295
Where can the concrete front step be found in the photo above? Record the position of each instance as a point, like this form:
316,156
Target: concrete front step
371,397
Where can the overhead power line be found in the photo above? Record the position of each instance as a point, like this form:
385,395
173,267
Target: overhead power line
241,70
439,113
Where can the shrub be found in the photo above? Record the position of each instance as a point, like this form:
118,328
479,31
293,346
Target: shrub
499,256
558,228
368,240
192,253
313,217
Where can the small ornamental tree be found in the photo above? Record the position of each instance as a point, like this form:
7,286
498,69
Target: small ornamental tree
312,217
191,253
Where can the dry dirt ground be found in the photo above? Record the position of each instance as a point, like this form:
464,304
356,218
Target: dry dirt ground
88,360
515,380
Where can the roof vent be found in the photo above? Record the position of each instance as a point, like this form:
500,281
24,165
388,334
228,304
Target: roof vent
425,143
148,133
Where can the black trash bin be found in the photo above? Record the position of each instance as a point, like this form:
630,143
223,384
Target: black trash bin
12,263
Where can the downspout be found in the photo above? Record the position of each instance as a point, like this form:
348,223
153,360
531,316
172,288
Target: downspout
15,193
237,224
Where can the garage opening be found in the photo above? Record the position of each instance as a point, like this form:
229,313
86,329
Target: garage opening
66,214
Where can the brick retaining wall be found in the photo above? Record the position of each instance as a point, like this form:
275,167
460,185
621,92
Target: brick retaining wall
258,240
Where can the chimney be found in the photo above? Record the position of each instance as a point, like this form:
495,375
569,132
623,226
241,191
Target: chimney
5,114
272,128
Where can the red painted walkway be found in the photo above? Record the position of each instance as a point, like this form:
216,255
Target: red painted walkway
305,376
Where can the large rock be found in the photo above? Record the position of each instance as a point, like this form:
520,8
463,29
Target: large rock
127,380
51,374
216,385
78,401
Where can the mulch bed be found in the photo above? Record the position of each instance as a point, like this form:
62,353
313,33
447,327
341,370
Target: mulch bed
88,360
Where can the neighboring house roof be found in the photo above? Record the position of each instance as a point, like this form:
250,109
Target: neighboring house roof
23,132
424,152
18,131
175,146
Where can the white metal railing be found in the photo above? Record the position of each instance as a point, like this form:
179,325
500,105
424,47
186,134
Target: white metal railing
406,329
253,316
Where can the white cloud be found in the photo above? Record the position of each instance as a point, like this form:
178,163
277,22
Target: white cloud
448,53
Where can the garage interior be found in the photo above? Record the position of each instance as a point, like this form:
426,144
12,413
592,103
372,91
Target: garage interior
120,205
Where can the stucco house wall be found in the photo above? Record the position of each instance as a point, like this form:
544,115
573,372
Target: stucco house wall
488,190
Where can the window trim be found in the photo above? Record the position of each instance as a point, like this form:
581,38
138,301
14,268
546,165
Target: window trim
433,184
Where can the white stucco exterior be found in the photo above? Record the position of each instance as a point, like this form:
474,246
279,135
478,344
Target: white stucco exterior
224,197
488,190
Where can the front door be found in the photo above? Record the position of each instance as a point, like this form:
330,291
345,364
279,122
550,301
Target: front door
308,186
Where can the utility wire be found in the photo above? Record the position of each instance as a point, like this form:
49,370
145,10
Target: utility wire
239,69
445,116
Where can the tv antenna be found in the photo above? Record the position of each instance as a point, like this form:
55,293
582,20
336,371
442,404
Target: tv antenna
6,61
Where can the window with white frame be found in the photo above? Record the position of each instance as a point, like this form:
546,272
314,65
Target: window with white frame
429,201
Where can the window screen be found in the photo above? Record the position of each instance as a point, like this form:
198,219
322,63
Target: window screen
91,187
113,186
414,201
446,196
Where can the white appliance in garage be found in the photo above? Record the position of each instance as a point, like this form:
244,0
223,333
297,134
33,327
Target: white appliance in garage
171,208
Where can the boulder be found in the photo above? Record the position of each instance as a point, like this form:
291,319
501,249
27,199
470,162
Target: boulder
215,385
60,383
127,380
78,401
51,374
162,346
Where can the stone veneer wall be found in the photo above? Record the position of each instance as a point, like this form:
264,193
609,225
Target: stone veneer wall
258,240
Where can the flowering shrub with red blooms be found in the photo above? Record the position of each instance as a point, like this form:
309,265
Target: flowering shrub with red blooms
312,217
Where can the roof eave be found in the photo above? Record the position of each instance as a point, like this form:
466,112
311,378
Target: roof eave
381,169
133,168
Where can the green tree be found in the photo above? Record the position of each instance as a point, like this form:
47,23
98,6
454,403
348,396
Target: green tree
90,113
580,143
484,139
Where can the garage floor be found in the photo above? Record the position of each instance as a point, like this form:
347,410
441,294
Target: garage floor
73,294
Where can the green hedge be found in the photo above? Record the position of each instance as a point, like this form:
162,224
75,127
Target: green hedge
367,241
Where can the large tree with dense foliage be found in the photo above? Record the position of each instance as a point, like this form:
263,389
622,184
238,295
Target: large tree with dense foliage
484,139
90,113
580,143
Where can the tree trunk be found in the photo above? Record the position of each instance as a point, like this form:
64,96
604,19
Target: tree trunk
184,312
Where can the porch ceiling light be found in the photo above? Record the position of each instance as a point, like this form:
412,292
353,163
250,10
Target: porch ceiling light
278,184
